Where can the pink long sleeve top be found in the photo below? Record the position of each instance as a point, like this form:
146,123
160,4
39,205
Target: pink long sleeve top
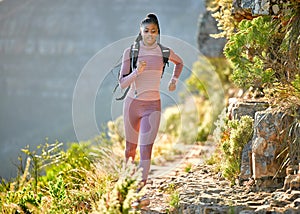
147,83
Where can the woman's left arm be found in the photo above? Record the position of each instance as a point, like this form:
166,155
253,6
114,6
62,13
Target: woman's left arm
177,69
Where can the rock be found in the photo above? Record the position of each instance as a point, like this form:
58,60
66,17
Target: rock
214,197
201,191
275,9
238,108
248,9
246,170
214,209
297,203
267,144
295,184
263,209
292,182
242,9
246,212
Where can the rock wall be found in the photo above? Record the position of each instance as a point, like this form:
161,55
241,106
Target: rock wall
250,8
273,154
263,156
268,143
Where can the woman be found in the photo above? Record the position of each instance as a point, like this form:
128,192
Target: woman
142,105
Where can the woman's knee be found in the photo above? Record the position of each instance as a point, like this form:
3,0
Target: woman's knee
130,150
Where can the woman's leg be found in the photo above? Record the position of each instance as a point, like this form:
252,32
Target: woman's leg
149,128
132,126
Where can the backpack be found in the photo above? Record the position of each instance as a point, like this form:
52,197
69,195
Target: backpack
134,52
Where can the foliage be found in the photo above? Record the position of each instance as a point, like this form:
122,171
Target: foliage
172,124
203,83
58,195
116,131
293,143
119,198
264,52
222,12
248,50
201,78
76,157
283,97
173,195
188,167
174,200
21,194
81,176
232,136
44,156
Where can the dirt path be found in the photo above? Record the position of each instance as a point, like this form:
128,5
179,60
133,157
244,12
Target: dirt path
162,176
202,190
191,155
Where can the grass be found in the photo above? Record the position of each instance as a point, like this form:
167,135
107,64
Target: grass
174,200
88,176
188,167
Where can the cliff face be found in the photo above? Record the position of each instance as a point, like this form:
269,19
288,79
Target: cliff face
209,46
43,47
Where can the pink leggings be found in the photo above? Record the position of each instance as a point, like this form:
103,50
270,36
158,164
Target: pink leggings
141,116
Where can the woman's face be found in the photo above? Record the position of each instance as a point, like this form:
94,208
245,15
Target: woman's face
149,33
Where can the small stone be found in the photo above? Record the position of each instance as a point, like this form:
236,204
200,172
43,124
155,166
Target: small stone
275,9
158,194
246,212
262,209
297,202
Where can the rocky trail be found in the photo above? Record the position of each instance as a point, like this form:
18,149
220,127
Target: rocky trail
202,190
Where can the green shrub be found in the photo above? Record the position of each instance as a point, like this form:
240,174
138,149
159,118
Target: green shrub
174,200
58,195
54,179
20,195
232,136
122,194
248,50
77,156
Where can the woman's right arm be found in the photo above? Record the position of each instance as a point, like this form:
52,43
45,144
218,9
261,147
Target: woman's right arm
125,79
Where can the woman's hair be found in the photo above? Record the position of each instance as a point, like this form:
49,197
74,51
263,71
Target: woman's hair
151,18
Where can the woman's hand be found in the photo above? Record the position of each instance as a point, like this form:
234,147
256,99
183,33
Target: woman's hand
141,66
172,85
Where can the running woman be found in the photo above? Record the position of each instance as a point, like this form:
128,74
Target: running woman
142,106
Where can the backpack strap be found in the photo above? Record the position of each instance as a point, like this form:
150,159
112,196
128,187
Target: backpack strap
124,95
166,54
133,56
134,53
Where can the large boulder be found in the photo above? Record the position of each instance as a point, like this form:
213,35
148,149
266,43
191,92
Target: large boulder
268,142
